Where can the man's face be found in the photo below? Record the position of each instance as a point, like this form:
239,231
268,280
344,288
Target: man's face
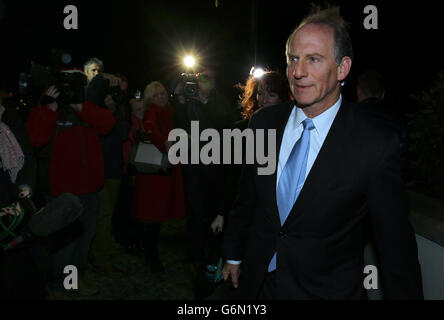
312,72
92,71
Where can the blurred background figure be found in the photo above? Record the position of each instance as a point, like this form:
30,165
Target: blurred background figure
209,107
104,245
371,98
157,198
271,88
22,271
101,84
92,68
68,126
126,229
267,90
17,161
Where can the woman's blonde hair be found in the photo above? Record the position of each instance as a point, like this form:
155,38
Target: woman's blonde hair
150,91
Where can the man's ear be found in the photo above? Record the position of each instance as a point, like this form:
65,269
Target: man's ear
343,68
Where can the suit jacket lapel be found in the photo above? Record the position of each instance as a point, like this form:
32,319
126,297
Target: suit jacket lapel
329,158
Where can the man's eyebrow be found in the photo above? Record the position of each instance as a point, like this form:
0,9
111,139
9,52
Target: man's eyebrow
315,54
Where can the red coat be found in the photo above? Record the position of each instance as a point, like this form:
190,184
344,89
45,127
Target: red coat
77,164
158,198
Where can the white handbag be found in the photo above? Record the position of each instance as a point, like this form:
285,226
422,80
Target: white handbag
147,159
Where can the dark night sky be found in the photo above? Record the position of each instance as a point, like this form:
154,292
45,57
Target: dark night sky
142,39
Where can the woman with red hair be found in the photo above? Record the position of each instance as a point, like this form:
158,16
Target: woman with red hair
268,90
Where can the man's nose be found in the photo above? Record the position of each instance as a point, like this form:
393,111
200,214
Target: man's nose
299,70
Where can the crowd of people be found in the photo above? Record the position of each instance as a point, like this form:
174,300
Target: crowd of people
82,145
80,137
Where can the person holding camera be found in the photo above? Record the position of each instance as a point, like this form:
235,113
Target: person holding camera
104,244
100,84
70,126
197,99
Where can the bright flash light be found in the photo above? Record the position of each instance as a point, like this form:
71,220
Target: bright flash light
257,72
189,61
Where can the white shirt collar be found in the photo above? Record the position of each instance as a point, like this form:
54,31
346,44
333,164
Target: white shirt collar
321,122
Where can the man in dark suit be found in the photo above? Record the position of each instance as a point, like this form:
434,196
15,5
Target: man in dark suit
298,234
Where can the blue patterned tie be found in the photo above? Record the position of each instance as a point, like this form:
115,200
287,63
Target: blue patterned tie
292,178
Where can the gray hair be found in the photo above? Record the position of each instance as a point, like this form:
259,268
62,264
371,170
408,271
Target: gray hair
91,61
331,17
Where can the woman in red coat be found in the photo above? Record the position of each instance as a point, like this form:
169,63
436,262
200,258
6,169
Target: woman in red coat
157,198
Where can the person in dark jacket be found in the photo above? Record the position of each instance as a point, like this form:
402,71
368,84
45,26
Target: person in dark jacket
22,270
371,98
298,233
268,90
104,244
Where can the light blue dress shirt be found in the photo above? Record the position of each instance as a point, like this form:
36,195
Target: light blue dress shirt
292,133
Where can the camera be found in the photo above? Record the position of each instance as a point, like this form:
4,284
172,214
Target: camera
71,85
117,94
190,88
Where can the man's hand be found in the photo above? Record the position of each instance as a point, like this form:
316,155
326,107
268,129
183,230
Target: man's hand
113,80
13,210
218,224
181,99
77,106
53,93
232,270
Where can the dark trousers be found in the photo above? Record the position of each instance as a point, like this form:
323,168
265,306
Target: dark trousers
23,272
150,239
268,289
76,251
202,192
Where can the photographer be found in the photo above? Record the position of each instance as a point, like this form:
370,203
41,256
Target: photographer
101,84
69,126
198,100
104,244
